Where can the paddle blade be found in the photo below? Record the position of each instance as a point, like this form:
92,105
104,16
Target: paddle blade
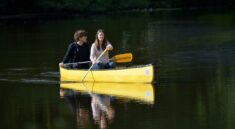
122,58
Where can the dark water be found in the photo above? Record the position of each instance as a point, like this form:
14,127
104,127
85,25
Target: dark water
193,55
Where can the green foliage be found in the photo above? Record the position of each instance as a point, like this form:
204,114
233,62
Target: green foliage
34,6
60,5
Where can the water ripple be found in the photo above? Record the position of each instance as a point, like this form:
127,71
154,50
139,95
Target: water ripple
39,81
30,75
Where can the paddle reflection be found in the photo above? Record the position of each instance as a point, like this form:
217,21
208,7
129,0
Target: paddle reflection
97,98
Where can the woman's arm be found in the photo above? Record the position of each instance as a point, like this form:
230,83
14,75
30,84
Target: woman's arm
92,54
109,46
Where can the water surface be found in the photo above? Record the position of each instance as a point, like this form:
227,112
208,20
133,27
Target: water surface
193,55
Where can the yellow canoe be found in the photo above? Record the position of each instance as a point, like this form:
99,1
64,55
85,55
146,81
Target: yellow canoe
137,74
136,91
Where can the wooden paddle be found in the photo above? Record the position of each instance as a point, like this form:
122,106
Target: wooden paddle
94,64
120,58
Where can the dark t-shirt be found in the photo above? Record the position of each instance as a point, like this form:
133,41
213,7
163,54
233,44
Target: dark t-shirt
77,53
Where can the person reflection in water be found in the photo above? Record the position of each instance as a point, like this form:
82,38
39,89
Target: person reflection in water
101,110
79,104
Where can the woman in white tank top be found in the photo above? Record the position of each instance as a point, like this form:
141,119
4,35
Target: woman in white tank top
97,48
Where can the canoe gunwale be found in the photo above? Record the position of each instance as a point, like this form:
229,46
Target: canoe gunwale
118,68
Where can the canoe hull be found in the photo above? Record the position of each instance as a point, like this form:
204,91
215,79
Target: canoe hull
141,74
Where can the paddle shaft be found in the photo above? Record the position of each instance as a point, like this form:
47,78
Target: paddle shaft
116,58
101,105
94,64
83,62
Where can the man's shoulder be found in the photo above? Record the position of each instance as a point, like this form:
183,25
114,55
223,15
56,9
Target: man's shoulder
73,44
88,45
85,45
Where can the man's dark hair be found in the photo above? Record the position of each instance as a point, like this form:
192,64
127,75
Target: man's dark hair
79,34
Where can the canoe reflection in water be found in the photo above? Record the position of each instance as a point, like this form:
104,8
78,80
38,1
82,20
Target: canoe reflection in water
100,97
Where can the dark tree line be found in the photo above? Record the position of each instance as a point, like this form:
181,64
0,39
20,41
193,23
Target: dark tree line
44,6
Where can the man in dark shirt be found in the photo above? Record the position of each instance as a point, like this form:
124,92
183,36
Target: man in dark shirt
78,51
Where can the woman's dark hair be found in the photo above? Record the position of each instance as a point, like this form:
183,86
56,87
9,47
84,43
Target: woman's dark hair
97,42
79,34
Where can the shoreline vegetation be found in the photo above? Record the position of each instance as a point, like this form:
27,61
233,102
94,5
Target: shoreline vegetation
75,14
56,9
55,15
